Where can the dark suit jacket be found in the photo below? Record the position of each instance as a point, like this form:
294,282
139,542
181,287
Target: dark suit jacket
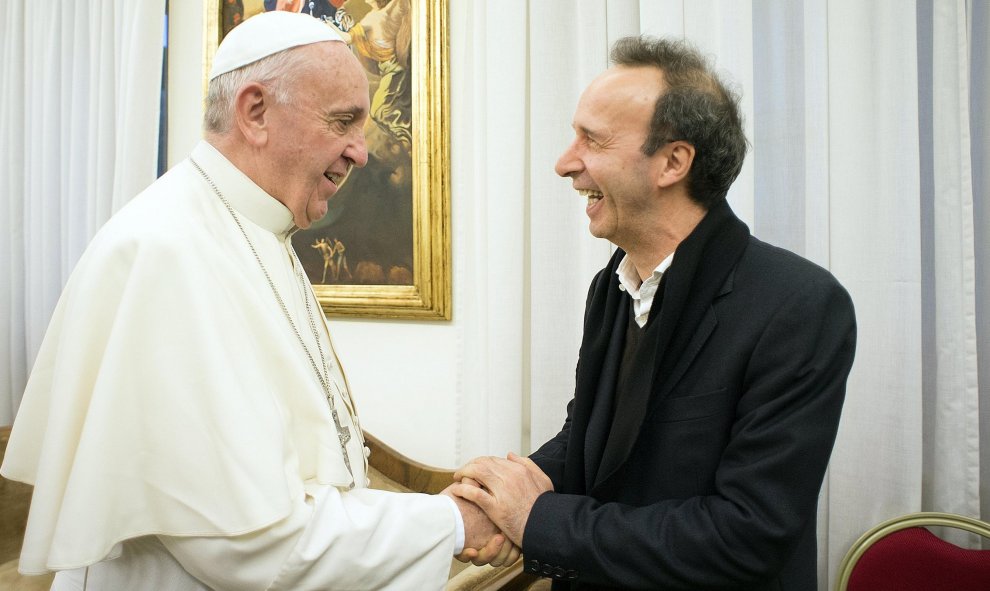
714,480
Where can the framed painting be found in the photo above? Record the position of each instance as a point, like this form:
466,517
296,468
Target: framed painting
383,249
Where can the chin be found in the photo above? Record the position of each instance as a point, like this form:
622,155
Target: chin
313,218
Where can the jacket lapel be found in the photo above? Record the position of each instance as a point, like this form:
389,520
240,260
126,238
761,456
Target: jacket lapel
704,330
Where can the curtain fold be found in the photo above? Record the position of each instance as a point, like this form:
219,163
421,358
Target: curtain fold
954,418
979,105
487,97
79,126
13,357
875,250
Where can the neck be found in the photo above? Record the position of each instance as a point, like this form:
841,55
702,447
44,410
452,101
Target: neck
674,224
233,151
246,158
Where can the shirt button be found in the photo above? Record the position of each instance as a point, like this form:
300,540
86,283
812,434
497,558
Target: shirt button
367,452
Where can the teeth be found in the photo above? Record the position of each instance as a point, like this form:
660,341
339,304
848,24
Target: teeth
338,177
592,196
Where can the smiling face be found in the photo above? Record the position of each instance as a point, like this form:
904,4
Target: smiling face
605,160
318,136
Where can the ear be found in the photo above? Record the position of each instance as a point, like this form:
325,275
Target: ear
251,104
675,163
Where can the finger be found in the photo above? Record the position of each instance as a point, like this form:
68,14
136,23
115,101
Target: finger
475,471
476,495
467,555
469,470
503,554
465,490
470,482
525,462
500,556
514,555
533,469
490,551
511,553
457,473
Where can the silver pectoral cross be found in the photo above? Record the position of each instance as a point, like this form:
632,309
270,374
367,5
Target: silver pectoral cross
344,435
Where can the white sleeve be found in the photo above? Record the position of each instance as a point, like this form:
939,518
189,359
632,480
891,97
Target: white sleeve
458,526
359,539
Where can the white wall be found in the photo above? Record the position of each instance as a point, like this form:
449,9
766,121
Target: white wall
403,373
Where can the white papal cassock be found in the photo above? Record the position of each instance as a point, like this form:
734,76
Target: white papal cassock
175,431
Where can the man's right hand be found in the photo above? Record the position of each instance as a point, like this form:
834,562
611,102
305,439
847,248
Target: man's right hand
505,489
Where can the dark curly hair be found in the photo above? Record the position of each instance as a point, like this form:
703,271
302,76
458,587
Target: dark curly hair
697,108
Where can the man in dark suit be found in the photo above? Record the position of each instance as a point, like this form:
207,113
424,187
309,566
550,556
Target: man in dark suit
712,369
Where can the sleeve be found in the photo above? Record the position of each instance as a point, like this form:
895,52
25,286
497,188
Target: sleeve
361,539
767,481
459,535
552,454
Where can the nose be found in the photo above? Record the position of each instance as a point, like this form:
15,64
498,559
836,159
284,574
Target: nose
357,150
569,164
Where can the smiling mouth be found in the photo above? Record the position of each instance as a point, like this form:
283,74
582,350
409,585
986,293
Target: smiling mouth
334,178
592,196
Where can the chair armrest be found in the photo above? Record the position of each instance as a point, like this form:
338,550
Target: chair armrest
406,472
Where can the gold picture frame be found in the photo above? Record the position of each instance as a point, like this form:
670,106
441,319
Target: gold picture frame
414,180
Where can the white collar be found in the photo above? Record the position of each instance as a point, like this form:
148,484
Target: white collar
629,280
243,194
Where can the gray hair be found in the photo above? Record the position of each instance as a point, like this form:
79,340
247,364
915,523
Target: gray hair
697,108
277,72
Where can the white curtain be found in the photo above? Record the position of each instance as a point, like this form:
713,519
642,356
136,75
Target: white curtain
81,83
870,126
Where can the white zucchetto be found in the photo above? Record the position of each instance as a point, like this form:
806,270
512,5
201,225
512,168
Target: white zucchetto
265,34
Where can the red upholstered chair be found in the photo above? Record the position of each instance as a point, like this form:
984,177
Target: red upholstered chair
900,554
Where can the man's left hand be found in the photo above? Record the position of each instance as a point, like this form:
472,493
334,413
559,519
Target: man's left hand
510,487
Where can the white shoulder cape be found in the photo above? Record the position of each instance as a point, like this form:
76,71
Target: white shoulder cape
168,397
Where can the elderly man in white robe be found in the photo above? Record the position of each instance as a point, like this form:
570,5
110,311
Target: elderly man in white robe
187,424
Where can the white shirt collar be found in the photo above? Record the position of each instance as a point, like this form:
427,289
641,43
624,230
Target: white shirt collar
250,200
630,282
642,292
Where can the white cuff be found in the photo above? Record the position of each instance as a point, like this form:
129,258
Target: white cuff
458,526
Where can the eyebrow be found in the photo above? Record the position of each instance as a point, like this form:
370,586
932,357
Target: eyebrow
354,111
591,133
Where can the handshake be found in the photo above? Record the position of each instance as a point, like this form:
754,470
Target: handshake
495,496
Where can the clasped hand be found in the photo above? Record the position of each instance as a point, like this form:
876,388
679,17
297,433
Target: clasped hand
483,542
501,493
